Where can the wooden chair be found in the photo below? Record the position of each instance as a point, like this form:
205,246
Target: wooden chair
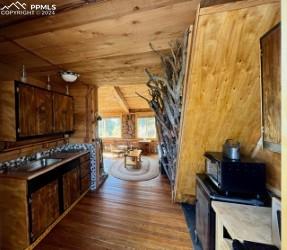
133,158
116,151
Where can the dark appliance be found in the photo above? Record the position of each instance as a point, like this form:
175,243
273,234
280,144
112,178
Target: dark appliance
206,192
244,176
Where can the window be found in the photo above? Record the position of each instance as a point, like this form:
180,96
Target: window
110,127
146,127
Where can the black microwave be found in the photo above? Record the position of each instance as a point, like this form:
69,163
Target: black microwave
244,176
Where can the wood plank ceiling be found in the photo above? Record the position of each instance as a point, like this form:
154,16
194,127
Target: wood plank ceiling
122,99
106,41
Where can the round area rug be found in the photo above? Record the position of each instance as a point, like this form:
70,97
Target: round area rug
149,170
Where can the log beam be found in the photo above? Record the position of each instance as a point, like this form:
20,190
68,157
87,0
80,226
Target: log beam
121,99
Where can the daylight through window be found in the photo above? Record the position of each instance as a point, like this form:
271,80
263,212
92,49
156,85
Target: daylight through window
110,127
146,128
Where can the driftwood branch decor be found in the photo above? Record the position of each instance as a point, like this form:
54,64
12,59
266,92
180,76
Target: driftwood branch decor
166,101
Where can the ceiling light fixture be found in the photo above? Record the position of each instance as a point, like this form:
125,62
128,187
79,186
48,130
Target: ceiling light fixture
69,76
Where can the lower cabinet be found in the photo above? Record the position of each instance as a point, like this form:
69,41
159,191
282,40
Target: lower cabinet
29,207
71,187
44,208
50,194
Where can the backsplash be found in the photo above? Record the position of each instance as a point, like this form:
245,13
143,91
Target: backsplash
67,148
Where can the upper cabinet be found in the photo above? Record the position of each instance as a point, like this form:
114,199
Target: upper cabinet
63,113
27,111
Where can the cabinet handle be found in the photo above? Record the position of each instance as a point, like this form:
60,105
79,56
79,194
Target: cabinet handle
30,200
19,130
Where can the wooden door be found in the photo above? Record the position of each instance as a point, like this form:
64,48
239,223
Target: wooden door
71,187
63,113
44,114
26,111
44,208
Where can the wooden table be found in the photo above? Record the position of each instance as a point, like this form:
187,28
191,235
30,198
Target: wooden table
242,222
133,158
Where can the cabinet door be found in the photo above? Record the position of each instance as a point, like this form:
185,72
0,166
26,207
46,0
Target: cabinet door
44,208
44,120
26,111
63,113
71,187
202,218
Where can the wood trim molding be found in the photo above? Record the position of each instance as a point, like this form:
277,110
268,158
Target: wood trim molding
234,6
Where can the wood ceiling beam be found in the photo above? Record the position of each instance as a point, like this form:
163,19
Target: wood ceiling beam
84,14
121,99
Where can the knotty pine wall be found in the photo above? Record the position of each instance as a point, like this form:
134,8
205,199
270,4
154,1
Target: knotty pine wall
222,98
85,112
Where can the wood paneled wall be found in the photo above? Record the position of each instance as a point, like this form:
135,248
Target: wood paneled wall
284,123
86,111
223,87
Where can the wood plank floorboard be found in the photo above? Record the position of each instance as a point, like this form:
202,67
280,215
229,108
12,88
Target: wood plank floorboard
122,215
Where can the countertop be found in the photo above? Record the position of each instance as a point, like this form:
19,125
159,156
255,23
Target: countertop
244,222
26,175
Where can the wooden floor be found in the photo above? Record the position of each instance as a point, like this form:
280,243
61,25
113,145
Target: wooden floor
122,215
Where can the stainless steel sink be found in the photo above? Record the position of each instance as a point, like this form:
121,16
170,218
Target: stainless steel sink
41,163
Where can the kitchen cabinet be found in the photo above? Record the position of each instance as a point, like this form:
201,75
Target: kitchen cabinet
71,187
44,112
44,208
27,111
31,203
34,109
63,113
203,218
85,173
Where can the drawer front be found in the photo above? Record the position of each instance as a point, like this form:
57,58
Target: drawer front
85,168
84,158
85,183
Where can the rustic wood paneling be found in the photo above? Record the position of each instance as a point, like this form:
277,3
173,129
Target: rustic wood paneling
114,33
271,88
44,208
223,92
13,214
109,103
284,124
85,112
7,115
122,215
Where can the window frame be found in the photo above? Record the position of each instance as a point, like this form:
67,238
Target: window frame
110,117
137,129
